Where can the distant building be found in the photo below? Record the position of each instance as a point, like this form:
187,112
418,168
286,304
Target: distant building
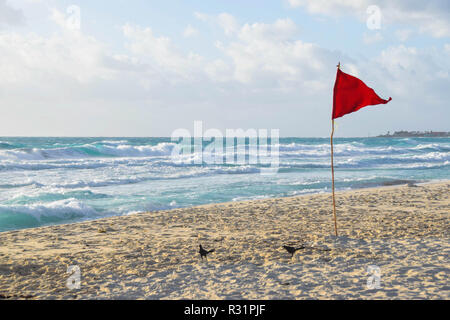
408,134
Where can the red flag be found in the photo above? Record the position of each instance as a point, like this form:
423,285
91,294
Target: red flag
351,94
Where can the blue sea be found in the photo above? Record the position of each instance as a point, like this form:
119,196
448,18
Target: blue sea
46,181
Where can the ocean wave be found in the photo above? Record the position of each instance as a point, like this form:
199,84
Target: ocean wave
308,191
19,185
419,166
61,209
199,171
166,168
53,194
426,160
97,183
36,166
7,145
255,197
114,142
352,149
123,149
89,150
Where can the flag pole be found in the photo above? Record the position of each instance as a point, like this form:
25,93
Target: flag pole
332,171
332,178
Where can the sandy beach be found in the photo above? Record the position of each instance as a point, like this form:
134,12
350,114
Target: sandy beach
402,230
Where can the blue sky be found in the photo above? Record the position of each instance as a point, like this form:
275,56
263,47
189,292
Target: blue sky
146,68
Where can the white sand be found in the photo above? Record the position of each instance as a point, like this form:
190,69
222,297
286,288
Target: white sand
402,230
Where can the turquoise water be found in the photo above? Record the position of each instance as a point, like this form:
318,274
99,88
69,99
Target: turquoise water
59,180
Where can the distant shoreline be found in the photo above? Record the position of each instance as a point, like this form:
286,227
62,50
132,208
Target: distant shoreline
415,134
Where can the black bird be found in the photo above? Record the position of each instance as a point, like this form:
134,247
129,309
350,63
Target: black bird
292,250
204,253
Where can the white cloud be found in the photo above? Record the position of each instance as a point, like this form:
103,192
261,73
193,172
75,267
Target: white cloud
225,20
32,58
190,31
228,23
411,73
403,34
160,52
264,75
329,7
269,55
431,17
259,55
265,63
280,30
219,71
201,16
10,15
370,38
447,48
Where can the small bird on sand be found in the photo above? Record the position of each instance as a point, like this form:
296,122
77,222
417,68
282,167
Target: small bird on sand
292,250
204,253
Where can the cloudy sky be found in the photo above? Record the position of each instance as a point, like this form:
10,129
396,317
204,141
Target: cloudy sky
146,68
